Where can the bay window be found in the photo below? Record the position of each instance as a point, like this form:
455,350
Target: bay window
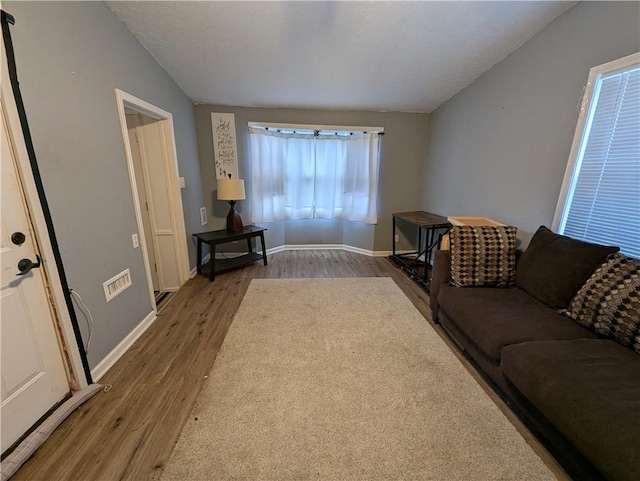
307,173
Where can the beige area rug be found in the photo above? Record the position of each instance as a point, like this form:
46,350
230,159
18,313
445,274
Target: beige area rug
343,379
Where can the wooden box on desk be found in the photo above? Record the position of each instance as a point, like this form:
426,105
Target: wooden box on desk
459,220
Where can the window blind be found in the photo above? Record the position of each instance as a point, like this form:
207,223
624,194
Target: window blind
603,205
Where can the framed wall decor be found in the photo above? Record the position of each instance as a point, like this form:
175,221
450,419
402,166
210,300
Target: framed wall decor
224,145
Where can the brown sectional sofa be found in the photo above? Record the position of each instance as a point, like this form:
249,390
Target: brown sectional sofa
576,389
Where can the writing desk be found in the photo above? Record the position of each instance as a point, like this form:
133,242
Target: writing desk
431,228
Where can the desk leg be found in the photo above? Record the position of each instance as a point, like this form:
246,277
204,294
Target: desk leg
212,263
393,241
199,263
427,253
264,249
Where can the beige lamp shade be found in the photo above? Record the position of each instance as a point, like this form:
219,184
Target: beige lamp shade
231,189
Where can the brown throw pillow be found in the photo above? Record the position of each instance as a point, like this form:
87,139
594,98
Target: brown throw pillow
554,266
483,256
609,302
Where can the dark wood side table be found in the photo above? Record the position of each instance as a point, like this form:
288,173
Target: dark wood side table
218,266
431,228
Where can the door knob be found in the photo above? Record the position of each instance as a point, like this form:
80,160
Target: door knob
18,238
25,265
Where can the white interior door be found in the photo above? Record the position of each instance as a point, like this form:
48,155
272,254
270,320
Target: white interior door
34,378
154,166
132,126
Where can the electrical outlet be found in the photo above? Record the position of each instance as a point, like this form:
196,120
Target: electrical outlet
135,241
396,237
203,215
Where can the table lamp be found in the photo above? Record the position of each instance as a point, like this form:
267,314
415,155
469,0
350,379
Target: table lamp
232,190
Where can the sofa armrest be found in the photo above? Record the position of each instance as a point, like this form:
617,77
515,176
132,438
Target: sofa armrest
440,276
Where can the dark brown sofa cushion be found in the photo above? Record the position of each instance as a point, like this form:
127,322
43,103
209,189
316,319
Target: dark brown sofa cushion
554,266
590,391
495,317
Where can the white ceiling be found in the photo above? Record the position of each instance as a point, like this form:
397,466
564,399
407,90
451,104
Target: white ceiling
394,56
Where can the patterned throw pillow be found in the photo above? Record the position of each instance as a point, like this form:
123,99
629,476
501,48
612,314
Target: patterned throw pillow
483,256
609,301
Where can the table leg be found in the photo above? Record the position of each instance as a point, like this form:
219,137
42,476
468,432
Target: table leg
393,242
199,263
427,253
249,245
264,249
212,263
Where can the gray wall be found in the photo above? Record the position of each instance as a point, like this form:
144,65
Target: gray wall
70,57
402,157
499,148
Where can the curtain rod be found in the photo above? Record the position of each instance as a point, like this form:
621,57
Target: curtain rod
343,128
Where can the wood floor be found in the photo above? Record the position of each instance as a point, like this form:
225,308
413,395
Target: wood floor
128,432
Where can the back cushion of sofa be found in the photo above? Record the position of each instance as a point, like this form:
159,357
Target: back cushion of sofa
609,302
554,266
483,256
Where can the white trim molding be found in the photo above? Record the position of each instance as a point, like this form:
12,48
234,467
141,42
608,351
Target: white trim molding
125,101
124,345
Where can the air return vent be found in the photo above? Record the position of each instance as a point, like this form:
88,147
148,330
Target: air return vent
117,284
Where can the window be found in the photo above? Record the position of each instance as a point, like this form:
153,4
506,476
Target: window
309,173
600,197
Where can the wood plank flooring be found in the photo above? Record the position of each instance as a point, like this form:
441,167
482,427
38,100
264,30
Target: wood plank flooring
128,433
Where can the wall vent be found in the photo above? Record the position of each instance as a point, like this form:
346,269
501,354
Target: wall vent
117,284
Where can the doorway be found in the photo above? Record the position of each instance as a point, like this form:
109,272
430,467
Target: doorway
41,363
147,132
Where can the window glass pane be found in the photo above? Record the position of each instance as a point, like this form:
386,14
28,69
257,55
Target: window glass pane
604,205
298,175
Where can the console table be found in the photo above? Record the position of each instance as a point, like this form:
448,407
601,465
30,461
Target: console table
218,266
431,228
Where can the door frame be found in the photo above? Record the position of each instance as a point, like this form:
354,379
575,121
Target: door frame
126,101
75,364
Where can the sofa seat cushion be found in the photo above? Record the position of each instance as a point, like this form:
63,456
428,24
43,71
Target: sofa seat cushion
494,317
590,391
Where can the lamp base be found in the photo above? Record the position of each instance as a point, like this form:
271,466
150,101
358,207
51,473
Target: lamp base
234,222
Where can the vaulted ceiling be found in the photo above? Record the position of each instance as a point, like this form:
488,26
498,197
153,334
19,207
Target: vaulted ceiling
394,56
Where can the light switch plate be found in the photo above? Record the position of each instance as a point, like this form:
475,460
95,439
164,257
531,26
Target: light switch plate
135,241
203,215
182,183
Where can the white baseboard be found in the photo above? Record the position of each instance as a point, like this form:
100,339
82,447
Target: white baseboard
309,247
313,247
111,358
275,250
344,247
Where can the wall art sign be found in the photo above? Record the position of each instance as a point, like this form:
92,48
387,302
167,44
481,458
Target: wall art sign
224,145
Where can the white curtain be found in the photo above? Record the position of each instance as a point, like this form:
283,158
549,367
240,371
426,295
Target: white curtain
301,176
